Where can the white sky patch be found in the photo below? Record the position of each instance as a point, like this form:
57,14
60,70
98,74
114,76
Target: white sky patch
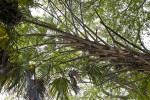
146,40
37,12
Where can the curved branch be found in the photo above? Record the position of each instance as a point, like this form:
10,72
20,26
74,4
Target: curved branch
108,28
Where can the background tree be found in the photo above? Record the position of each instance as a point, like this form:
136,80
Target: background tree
95,43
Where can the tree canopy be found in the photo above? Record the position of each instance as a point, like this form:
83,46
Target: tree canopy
75,49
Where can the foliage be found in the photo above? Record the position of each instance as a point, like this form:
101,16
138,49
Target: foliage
77,49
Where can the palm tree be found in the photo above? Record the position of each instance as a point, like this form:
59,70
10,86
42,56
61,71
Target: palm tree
76,41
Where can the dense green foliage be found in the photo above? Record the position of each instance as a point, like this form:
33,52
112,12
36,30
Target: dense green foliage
75,49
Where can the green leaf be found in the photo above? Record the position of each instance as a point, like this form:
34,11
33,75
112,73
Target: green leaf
59,86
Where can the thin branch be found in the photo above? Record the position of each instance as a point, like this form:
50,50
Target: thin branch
82,19
83,25
126,86
132,82
116,72
36,45
46,35
65,18
125,39
105,27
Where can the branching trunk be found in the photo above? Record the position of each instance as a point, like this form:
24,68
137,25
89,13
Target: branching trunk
128,58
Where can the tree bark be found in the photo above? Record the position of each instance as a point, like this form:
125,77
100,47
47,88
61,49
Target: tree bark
32,93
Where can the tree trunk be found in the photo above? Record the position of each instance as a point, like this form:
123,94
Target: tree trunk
32,93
